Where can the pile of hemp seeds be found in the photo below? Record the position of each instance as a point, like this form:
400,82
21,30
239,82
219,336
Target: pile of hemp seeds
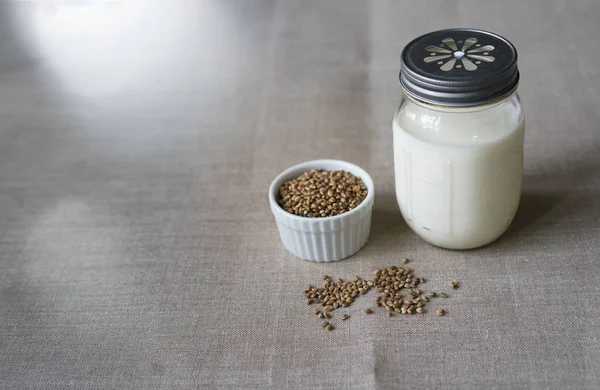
400,292
319,193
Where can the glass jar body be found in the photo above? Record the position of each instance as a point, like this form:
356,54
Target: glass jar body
458,171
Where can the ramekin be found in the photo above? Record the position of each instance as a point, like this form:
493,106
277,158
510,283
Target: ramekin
323,239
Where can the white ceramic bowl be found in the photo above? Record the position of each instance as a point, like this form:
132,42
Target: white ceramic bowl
323,239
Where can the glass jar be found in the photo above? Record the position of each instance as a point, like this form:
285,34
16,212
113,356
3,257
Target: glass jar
458,137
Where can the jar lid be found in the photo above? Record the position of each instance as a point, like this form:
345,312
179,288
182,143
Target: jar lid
459,67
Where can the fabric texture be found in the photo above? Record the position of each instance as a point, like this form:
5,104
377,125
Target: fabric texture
137,249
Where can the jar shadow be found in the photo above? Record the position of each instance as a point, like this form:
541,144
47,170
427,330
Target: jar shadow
563,177
533,207
389,231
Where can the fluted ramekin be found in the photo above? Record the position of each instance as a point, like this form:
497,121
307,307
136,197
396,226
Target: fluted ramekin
323,239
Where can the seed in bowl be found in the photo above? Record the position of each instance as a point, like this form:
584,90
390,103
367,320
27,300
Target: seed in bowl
319,193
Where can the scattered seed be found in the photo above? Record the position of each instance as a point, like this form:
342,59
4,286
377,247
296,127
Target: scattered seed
405,261
440,312
389,282
324,324
329,327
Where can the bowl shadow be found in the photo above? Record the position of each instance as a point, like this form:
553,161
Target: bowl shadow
388,229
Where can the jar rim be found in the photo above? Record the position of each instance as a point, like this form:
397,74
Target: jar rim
470,108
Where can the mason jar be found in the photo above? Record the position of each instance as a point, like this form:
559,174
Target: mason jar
458,137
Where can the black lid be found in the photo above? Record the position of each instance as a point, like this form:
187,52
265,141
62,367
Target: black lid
459,67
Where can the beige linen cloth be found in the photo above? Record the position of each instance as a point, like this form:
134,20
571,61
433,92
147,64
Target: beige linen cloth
137,248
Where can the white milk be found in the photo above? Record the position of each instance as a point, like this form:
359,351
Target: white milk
459,171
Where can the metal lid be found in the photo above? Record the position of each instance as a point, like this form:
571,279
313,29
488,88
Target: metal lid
459,67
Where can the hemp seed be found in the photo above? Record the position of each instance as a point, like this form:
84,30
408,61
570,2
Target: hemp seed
319,193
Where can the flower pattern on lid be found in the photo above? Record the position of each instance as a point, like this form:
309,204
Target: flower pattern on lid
452,54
